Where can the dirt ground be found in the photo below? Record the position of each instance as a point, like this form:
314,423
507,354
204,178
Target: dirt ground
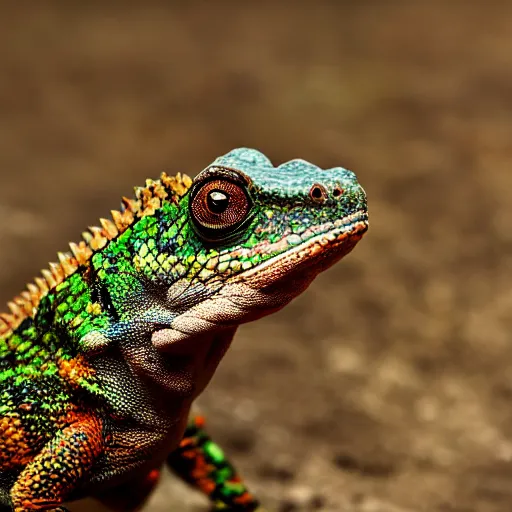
387,387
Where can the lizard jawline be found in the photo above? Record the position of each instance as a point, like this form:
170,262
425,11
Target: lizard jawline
308,259
248,297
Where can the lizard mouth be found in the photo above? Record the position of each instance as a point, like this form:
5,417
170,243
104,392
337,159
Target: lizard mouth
316,250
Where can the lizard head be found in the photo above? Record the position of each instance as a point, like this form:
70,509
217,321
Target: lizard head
257,235
291,222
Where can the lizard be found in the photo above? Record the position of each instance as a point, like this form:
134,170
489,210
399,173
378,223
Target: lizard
102,356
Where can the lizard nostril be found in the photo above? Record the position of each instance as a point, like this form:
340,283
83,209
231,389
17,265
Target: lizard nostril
318,193
337,192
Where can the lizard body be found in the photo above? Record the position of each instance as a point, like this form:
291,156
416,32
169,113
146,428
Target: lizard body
102,357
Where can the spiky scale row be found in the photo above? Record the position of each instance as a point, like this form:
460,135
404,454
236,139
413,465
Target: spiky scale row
81,251
147,200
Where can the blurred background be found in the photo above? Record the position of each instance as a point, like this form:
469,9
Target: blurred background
388,386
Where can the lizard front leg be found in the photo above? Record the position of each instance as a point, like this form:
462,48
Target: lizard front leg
64,461
200,462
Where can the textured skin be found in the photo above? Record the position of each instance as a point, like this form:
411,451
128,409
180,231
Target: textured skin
101,359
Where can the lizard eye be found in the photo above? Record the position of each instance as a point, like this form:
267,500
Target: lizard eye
218,208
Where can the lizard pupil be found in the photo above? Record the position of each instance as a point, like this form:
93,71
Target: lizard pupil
218,201
219,206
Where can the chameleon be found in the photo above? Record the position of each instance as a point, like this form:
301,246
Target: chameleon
103,355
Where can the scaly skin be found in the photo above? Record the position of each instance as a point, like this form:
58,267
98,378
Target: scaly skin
101,359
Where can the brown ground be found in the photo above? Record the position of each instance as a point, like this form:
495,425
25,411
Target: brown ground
388,386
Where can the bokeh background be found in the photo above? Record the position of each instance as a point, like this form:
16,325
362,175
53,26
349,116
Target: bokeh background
388,386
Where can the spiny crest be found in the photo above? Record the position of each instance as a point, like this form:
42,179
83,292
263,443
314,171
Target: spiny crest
147,200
